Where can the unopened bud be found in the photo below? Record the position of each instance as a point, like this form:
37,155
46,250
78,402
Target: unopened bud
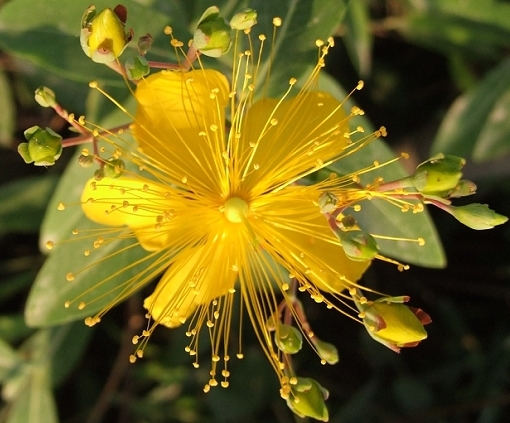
476,216
327,202
98,174
145,43
244,19
45,97
137,67
438,175
307,399
328,352
43,148
288,339
113,168
212,36
85,160
103,37
358,245
392,323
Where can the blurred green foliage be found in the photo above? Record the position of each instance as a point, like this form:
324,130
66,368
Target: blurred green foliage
438,70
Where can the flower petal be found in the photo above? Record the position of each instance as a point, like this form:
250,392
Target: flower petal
180,122
198,276
132,202
293,137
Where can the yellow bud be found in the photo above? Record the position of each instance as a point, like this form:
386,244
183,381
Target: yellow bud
103,37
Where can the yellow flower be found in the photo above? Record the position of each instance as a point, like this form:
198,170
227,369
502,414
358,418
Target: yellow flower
219,196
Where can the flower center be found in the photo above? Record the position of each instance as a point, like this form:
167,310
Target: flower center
236,209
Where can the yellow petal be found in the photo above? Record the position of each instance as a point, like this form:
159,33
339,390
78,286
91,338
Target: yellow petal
306,242
180,122
131,202
293,137
197,277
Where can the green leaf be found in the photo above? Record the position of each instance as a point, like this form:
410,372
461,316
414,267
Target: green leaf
35,403
23,202
303,22
473,28
7,111
380,217
358,36
9,360
476,122
92,283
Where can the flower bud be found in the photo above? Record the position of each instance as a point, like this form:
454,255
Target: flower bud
137,67
476,216
394,324
244,19
358,245
85,161
113,168
307,399
103,37
145,43
327,352
212,36
288,339
438,175
45,97
44,146
327,202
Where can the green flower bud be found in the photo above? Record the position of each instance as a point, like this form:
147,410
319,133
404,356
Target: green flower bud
137,67
113,168
288,339
212,36
327,202
98,174
476,216
327,352
44,146
45,97
307,399
392,323
85,160
244,19
358,245
438,175
103,37
145,43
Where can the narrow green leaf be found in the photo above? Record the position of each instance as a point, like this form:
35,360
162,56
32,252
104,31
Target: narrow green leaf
358,36
472,115
35,403
494,138
7,111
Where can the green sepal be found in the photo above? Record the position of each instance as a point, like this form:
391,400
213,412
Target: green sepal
244,19
307,399
137,67
212,36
